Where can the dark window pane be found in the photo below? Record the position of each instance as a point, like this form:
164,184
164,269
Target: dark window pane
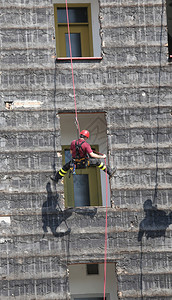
81,190
169,27
76,15
68,155
75,44
92,269
170,44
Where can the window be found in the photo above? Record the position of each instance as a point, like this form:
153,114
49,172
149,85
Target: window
169,26
83,188
80,30
96,125
92,269
83,15
90,287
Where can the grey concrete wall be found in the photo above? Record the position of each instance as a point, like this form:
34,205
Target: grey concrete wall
39,238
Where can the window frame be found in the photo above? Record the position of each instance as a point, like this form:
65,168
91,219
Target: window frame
94,186
57,29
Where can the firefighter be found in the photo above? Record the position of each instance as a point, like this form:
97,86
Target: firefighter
82,157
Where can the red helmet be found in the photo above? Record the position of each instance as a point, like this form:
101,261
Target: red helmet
85,133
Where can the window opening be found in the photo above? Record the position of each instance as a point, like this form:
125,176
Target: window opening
96,124
169,27
75,44
80,185
84,187
81,190
80,30
86,287
84,19
76,15
92,269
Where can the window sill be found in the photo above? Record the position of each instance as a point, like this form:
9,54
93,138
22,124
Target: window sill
66,59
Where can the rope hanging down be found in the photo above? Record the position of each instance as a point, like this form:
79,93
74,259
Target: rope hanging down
70,49
77,124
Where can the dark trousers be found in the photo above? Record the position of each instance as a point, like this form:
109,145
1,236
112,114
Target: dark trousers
91,162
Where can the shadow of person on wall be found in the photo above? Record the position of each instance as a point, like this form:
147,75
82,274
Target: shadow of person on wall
155,222
154,225
53,216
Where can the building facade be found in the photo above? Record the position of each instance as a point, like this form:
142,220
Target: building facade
52,240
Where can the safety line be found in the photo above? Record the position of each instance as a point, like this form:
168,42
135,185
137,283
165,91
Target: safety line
70,49
105,255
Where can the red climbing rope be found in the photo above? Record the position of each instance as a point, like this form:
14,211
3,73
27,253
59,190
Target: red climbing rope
77,124
70,49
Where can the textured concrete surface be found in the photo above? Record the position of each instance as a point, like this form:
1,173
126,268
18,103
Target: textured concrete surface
132,83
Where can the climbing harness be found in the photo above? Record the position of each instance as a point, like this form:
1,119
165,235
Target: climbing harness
78,162
74,167
78,147
81,163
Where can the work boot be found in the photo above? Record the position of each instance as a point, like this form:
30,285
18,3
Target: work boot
112,172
